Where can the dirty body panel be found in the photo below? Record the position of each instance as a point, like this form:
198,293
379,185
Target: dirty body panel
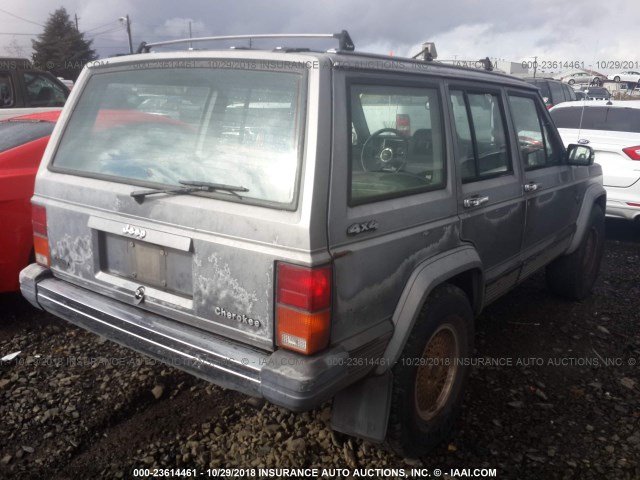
208,263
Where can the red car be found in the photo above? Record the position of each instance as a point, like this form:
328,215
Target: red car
22,143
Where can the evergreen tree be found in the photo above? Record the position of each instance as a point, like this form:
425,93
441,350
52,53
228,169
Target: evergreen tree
61,49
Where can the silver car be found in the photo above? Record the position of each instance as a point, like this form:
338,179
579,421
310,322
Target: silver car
583,78
309,226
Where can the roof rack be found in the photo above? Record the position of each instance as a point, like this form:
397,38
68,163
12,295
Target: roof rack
344,40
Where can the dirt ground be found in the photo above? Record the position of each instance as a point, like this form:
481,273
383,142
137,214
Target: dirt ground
562,402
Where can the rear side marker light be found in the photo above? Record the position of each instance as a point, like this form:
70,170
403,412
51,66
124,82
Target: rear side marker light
40,240
631,204
632,152
303,309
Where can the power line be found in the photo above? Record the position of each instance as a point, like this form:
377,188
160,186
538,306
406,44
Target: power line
21,18
118,29
99,27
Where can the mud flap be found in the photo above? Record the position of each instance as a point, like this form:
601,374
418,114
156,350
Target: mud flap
362,410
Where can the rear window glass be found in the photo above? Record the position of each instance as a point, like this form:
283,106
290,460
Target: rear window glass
598,118
161,127
16,132
542,85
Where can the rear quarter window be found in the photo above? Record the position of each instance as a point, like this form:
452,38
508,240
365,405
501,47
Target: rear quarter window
598,118
397,145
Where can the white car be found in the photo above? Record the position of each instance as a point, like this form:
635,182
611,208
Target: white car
613,131
630,76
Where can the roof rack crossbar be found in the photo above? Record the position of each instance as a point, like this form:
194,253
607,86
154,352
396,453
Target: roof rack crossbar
344,40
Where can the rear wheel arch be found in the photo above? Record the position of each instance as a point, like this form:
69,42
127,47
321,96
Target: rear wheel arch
429,381
574,275
594,195
470,282
461,268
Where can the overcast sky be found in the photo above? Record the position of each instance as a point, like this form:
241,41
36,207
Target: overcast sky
588,31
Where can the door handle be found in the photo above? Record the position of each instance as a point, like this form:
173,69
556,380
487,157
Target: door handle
473,202
531,187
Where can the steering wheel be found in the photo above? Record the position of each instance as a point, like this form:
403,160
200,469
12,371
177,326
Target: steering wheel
383,156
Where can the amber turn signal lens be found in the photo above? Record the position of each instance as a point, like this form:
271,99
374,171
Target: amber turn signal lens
41,247
304,332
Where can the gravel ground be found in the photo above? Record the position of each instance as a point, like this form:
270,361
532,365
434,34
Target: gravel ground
565,403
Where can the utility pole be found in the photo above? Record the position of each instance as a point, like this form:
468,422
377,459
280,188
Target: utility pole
190,44
127,22
535,66
77,29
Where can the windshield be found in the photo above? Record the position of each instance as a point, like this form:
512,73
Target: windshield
18,132
612,119
156,127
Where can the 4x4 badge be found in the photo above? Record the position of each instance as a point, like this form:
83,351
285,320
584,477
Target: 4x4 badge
134,231
357,228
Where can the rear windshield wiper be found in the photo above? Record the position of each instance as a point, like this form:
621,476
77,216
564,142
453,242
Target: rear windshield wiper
190,186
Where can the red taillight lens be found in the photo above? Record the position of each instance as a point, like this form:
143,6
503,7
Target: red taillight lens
632,152
40,240
303,311
403,123
304,288
39,219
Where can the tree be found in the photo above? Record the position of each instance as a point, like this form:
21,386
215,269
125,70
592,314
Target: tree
61,49
14,49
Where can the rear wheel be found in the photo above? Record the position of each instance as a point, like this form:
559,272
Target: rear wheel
571,81
616,79
429,379
573,275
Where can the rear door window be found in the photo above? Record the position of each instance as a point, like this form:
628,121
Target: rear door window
557,96
569,93
480,135
41,91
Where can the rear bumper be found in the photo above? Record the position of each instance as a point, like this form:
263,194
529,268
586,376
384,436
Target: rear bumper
284,378
619,209
618,200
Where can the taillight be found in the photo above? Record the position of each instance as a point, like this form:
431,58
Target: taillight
303,307
632,152
40,240
403,123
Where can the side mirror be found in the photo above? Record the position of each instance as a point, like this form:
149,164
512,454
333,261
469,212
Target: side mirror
579,155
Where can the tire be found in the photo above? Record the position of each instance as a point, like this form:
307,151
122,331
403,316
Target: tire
571,81
596,82
422,417
573,275
616,79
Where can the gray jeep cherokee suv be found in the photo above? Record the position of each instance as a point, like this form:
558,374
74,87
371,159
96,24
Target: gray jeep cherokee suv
306,226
